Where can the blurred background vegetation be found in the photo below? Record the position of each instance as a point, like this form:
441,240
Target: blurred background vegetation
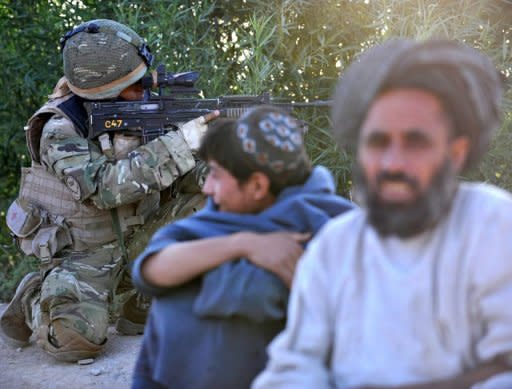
294,48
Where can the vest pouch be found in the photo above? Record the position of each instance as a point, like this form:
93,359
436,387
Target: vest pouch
49,240
23,219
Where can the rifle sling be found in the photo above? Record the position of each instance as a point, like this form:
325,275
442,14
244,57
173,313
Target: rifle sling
117,228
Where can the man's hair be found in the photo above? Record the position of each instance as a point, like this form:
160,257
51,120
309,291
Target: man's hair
465,80
446,84
243,147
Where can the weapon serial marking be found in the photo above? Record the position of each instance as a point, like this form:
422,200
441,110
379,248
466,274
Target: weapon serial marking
114,123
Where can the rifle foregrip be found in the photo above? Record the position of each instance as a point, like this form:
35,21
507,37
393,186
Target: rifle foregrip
234,113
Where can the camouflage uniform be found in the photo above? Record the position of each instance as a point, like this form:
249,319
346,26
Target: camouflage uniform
85,207
78,193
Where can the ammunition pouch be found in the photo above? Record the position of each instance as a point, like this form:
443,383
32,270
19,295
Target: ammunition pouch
23,219
50,240
35,232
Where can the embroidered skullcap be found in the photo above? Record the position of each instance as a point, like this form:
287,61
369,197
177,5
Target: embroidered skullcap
273,139
465,80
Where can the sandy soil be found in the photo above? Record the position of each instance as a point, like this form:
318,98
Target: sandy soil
30,367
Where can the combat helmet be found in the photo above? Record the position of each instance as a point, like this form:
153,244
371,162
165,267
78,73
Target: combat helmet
102,57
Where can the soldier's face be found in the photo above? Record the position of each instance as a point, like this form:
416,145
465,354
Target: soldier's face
227,193
133,92
407,161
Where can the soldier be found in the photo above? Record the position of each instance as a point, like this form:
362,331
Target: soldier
82,200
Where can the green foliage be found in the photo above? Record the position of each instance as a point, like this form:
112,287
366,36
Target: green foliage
9,280
295,49
482,24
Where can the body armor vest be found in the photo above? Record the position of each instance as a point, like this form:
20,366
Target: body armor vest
46,218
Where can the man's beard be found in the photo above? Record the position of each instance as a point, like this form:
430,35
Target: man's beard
409,219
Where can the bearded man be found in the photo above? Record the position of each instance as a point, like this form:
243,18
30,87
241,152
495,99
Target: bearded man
413,290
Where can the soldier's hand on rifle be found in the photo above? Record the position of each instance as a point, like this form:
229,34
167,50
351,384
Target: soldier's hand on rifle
194,130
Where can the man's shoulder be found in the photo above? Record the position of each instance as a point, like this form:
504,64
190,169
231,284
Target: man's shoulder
482,207
334,248
480,194
348,222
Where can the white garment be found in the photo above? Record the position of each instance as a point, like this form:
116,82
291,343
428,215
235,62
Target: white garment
371,311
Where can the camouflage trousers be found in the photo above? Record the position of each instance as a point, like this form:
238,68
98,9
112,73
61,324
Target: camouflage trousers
74,302
77,292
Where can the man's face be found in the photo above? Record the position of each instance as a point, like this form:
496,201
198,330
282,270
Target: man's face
227,193
133,92
407,162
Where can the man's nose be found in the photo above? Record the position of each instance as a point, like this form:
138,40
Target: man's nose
393,159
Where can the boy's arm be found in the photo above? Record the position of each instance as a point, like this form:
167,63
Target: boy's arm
183,261
277,252
243,289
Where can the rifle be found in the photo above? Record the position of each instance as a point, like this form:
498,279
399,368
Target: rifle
157,114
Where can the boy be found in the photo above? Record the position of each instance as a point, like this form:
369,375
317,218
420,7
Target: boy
220,278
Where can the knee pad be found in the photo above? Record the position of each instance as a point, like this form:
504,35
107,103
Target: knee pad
65,344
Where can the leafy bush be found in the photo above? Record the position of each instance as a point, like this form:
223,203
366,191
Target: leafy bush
293,48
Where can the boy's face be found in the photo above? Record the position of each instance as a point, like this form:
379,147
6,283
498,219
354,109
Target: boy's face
227,193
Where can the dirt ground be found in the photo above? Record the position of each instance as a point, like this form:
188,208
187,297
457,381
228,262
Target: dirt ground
30,367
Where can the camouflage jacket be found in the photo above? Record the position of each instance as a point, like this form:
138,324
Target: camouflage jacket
107,182
73,184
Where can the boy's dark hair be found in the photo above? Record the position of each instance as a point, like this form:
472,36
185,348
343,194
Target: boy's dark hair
267,140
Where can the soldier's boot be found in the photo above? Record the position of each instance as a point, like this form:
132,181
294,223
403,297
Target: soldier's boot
65,344
14,328
132,317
